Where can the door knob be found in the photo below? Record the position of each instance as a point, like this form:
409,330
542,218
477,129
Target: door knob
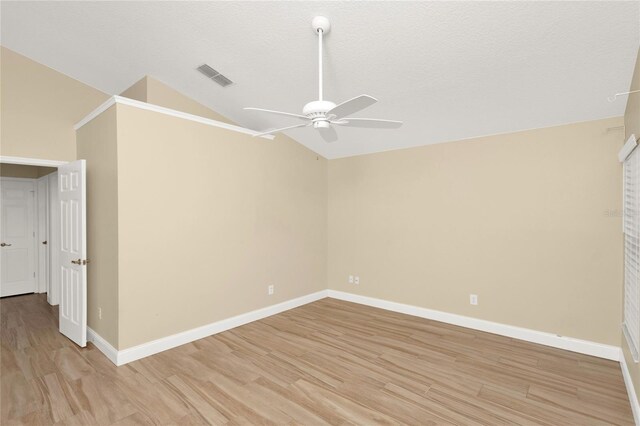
4,245
77,262
44,242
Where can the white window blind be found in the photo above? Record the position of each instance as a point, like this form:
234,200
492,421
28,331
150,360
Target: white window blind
631,225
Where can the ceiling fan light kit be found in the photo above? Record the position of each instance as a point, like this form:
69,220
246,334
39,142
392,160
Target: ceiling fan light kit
322,114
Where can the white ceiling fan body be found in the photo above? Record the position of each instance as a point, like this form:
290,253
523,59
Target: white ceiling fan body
322,114
317,111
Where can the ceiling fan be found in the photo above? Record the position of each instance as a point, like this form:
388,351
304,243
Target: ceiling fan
322,114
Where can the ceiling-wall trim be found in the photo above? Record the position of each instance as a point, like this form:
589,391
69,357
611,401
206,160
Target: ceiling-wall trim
167,111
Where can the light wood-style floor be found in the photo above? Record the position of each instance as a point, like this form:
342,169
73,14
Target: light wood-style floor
328,362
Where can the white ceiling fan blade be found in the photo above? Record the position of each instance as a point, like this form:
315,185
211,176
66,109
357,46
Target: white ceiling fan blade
373,123
328,134
352,105
270,132
277,112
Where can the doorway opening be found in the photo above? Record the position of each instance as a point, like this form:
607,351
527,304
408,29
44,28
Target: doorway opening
43,237
27,230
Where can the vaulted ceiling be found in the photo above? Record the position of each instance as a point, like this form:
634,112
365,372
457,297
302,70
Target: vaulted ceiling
449,70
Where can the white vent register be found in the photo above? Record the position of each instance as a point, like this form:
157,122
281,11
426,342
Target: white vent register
214,75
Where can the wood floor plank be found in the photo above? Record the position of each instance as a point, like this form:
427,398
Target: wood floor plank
601,413
329,362
101,398
52,388
17,397
197,400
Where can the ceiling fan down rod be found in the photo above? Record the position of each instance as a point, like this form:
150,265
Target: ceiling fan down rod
320,31
321,26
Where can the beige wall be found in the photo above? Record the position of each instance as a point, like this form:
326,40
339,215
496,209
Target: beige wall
137,91
38,108
208,218
153,91
97,144
519,219
22,171
632,126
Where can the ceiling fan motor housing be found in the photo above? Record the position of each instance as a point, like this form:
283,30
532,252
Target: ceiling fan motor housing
317,111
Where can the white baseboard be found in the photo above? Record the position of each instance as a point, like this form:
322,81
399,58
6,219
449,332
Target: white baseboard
575,345
631,390
104,346
600,350
146,349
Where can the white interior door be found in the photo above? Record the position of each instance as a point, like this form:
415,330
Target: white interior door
17,237
73,251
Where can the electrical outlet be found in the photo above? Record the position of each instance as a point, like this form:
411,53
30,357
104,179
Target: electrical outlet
350,279
270,289
99,313
356,280
473,299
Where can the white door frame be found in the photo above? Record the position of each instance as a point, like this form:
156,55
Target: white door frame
54,294
31,161
33,225
42,232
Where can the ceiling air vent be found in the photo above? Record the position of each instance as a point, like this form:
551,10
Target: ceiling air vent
214,75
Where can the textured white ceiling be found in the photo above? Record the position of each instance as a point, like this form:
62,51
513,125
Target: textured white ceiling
450,70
